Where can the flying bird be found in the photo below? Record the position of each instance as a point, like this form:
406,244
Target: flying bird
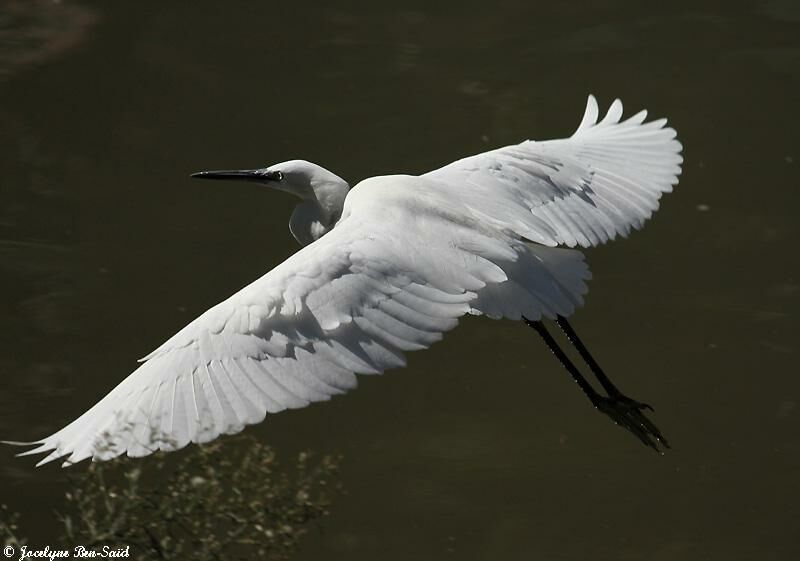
387,267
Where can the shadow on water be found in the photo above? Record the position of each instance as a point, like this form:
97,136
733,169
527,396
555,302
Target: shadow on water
482,448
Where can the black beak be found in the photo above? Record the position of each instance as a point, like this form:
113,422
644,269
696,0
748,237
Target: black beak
258,175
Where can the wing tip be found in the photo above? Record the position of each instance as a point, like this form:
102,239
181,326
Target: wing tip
614,113
590,114
21,442
613,116
41,447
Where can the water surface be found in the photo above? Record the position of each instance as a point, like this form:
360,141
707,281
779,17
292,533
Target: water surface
483,448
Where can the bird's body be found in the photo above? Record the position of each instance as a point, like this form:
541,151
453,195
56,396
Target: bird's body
387,267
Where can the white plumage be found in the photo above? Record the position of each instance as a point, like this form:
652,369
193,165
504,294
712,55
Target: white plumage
388,271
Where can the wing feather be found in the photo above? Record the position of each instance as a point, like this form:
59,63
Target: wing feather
585,190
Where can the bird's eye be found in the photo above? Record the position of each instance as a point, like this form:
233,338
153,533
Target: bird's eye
278,176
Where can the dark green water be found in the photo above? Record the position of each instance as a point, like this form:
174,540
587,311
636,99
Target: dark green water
483,448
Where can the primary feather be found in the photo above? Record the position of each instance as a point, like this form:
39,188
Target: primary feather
407,258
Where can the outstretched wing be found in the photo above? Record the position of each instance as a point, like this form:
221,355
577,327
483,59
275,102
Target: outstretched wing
380,283
584,190
339,306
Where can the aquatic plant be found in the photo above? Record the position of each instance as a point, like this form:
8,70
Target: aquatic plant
231,501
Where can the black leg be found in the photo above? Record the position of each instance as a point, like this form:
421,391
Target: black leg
623,410
563,359
610,388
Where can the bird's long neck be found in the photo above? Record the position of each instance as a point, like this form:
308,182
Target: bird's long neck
318,213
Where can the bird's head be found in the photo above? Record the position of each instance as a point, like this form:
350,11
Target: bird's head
323,192
299,177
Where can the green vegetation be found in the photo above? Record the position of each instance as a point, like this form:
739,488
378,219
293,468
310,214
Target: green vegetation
231,501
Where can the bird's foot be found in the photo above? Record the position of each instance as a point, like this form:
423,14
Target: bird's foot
629,414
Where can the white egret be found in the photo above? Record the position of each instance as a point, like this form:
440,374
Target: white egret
387,267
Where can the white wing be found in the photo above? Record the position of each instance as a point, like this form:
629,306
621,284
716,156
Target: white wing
583,190
408,258
387,279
